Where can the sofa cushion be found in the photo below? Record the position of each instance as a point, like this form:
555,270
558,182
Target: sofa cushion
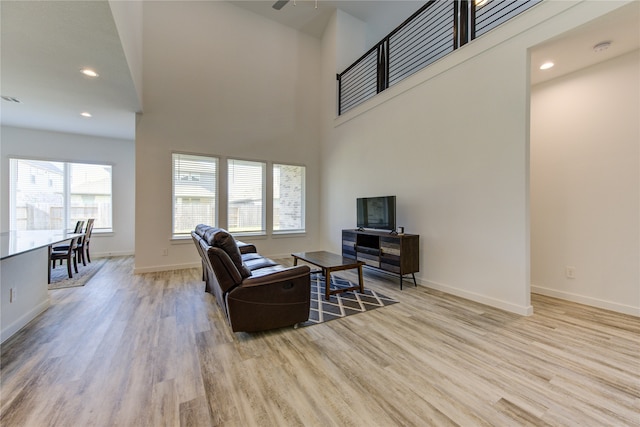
250,256
258,263
220,238
265,271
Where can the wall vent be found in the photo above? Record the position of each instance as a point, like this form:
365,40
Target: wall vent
11,99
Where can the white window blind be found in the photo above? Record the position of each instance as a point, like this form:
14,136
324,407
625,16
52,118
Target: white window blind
49,195
90,194
288,198
246,186
194,192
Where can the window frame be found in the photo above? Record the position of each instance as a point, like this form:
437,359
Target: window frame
303,200
177,176
263,191
224,194
68,223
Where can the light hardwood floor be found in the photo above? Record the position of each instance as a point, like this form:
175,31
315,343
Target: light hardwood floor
154,350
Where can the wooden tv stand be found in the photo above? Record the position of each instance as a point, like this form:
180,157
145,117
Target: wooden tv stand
396,253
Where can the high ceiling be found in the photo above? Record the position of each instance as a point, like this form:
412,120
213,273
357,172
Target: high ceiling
45,44
574,50
311,16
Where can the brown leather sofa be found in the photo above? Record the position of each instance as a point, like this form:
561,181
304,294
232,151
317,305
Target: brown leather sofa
254,292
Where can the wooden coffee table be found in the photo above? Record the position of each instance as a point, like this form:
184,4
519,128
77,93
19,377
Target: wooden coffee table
330,262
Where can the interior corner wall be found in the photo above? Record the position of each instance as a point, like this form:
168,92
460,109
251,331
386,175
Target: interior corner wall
585,185
452,143
329,66
354,41
45,145
127,16
220,80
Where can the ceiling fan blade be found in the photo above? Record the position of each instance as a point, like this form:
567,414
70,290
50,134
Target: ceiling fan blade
279,4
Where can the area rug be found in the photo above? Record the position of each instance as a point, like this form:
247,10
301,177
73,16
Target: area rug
60,279
342,304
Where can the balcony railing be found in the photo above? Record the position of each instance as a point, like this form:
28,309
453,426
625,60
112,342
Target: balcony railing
435,30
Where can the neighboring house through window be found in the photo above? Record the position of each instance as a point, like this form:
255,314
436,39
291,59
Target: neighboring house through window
194,192
48,195
246,187
196,200
288,198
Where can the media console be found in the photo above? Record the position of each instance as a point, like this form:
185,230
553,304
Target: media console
396,253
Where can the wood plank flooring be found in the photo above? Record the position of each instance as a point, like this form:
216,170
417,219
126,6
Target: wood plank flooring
154,350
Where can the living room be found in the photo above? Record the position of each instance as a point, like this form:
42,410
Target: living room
451,142
471,174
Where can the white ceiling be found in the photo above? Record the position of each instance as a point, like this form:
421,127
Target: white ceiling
46,43
311,16
44,46
573,50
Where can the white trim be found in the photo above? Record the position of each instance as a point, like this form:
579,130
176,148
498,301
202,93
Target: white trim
60,159
241,236
288,234
23,321
110,254
581,299
181,240
482,299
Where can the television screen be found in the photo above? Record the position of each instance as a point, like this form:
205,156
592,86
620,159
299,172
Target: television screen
377,212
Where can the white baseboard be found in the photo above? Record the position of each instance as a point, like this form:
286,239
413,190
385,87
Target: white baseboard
158,268
280,256
482,299
586,300
111,254
23,320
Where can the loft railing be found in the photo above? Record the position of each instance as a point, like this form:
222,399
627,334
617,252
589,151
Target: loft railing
435,30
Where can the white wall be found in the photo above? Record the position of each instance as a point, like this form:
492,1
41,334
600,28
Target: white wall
452,143
585,185
127,16
79,148
353,39
220,80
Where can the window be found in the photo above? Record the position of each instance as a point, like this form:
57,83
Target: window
195,186
246,211
196,196
288,198
49,195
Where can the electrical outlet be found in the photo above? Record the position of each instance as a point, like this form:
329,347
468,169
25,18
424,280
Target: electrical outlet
165,251
570,272
12,295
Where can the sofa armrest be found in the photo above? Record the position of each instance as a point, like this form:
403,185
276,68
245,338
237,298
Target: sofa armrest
246,248
226,272
275,299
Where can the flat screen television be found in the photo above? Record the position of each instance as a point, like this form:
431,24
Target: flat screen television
377,212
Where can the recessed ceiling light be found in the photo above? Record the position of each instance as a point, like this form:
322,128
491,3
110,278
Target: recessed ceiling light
85,114
89,72
547,65
602,46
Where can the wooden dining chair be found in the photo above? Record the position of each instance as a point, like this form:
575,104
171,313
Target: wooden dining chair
79,226
70,255
65,248
83,243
